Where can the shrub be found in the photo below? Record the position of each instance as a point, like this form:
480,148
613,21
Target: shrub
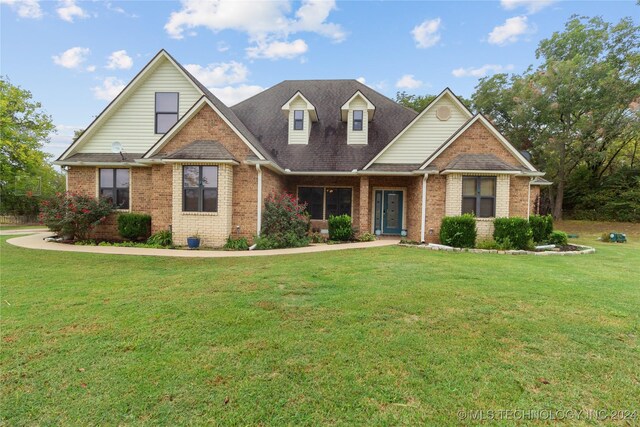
458,231
541,227
285,223
340,228
317,237
516,229
74,215
559,238
367,237
134,226
239,244
161,238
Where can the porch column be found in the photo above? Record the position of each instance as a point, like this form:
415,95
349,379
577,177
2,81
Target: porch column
364,215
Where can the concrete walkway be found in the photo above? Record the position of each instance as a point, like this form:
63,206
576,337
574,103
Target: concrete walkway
35,241
22,231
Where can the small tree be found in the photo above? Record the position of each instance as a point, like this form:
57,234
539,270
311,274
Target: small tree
285,222
74,215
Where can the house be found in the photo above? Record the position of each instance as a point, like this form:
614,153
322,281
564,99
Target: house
168,147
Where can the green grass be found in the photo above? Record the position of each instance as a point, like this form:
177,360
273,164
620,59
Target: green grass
382,336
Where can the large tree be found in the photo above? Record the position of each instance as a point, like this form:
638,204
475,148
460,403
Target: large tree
420,102
24,166
579,108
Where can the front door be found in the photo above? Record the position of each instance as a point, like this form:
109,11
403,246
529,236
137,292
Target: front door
388,211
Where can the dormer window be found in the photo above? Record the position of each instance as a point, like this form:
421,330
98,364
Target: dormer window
357,119
298,120
166,111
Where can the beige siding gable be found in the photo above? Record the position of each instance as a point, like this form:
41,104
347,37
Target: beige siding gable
299,136
425,135
133,122
358,136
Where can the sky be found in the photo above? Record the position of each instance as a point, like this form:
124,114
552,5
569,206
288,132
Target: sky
75,56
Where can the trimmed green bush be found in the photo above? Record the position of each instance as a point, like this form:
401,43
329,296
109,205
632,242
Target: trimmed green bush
367,237
516,230
239,244
340,228
458,231
541,226
559,238
161,238
134,226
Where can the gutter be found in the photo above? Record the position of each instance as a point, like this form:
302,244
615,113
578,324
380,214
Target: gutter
112,164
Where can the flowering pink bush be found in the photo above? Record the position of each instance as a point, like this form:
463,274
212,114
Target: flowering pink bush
285,222
74,215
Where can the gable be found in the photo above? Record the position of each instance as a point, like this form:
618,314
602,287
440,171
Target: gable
424,135
476,139
132,120
206,124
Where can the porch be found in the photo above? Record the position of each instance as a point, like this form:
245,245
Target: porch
384,205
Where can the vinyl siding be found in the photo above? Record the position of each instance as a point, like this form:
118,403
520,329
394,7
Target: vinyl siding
357,137
425,135
133,122
299,136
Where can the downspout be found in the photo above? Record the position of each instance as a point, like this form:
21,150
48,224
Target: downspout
424,207
66,178
259,222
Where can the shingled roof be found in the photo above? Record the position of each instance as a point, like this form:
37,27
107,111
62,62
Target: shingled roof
480,162
327,149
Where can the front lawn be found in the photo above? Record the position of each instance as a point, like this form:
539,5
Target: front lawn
382,336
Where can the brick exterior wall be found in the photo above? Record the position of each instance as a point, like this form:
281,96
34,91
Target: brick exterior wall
157,190
535,193
212,227
444,193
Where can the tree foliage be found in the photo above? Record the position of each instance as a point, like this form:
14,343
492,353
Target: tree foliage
579,109
420,102
24,166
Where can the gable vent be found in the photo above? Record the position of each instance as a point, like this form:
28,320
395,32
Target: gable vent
443,113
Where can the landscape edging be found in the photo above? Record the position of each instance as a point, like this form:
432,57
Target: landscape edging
584,250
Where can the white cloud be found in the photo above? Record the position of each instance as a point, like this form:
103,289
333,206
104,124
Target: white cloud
278,49
481,71
119,60
220,74
91,68
72,58
268,24
25,8
426,34
68,10
109,88
408,81
362,80
510,31
110,6
222,46
231,95
532,6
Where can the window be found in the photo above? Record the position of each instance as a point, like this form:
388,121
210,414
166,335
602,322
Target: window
479,196
200,188
298,119
338,201
114,186
322,202
357,119
314,198
166,110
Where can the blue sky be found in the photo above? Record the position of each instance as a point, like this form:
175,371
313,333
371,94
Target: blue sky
75,56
